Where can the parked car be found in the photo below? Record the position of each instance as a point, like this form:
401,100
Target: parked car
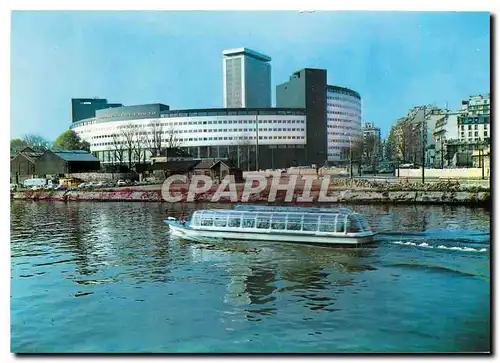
407,166
120,183
13,187
344,173
386,171
38,182
61,187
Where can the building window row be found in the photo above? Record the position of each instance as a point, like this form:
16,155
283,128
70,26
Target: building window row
346,99
208,122
220,138
123,114
343,127
204,130
344,107
343,133
343,113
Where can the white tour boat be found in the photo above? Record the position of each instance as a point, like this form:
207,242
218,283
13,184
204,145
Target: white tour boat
322,226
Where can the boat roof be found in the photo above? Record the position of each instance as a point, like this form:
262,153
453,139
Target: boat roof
273,213
272,208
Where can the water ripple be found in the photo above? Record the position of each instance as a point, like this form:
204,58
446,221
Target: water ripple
108,277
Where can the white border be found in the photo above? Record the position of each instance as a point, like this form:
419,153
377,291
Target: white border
477,5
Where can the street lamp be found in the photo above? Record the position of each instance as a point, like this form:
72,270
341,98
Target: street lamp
350,153
350,156
481,159
442,152
424,146
257,142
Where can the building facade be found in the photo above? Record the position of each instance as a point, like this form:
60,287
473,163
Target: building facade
333,114
129,134
343,112
421,126
474,120
473,132
83,108
246,79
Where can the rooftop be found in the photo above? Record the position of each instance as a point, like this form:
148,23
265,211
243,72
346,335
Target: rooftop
75,155
345,90
176,165
248,52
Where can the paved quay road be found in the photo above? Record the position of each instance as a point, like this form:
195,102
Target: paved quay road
108,277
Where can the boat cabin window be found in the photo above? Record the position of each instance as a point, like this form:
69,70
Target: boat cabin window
327,223
207,221
234,221
340,226
248,222
220,221
310,223
353,225
294,222
263,221
278,221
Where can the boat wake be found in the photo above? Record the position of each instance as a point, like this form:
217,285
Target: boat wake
442,247
465,236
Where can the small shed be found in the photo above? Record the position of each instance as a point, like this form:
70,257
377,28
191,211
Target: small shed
22,165
165,169
66,162
220,169
204,167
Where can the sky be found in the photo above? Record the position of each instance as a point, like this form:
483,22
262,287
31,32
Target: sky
395,60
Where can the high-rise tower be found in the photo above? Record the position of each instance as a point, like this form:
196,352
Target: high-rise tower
246,79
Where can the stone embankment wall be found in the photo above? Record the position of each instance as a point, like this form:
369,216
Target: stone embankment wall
342,196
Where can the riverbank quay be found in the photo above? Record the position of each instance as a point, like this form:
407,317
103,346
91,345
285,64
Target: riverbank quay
346,191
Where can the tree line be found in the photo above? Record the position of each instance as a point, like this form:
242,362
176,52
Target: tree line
68,140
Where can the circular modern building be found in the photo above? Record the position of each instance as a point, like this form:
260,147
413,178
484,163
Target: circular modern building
133,134
343,113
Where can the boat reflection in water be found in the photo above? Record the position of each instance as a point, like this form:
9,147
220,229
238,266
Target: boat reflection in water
258,275
321,226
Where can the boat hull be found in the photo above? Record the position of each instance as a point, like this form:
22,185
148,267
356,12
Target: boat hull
190,233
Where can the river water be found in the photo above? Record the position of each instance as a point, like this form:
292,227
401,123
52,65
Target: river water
106,277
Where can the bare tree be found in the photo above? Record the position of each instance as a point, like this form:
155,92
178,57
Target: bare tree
141,144
155,139
118,148
128,137
244,151
404,140
370,152
36,142
171,137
